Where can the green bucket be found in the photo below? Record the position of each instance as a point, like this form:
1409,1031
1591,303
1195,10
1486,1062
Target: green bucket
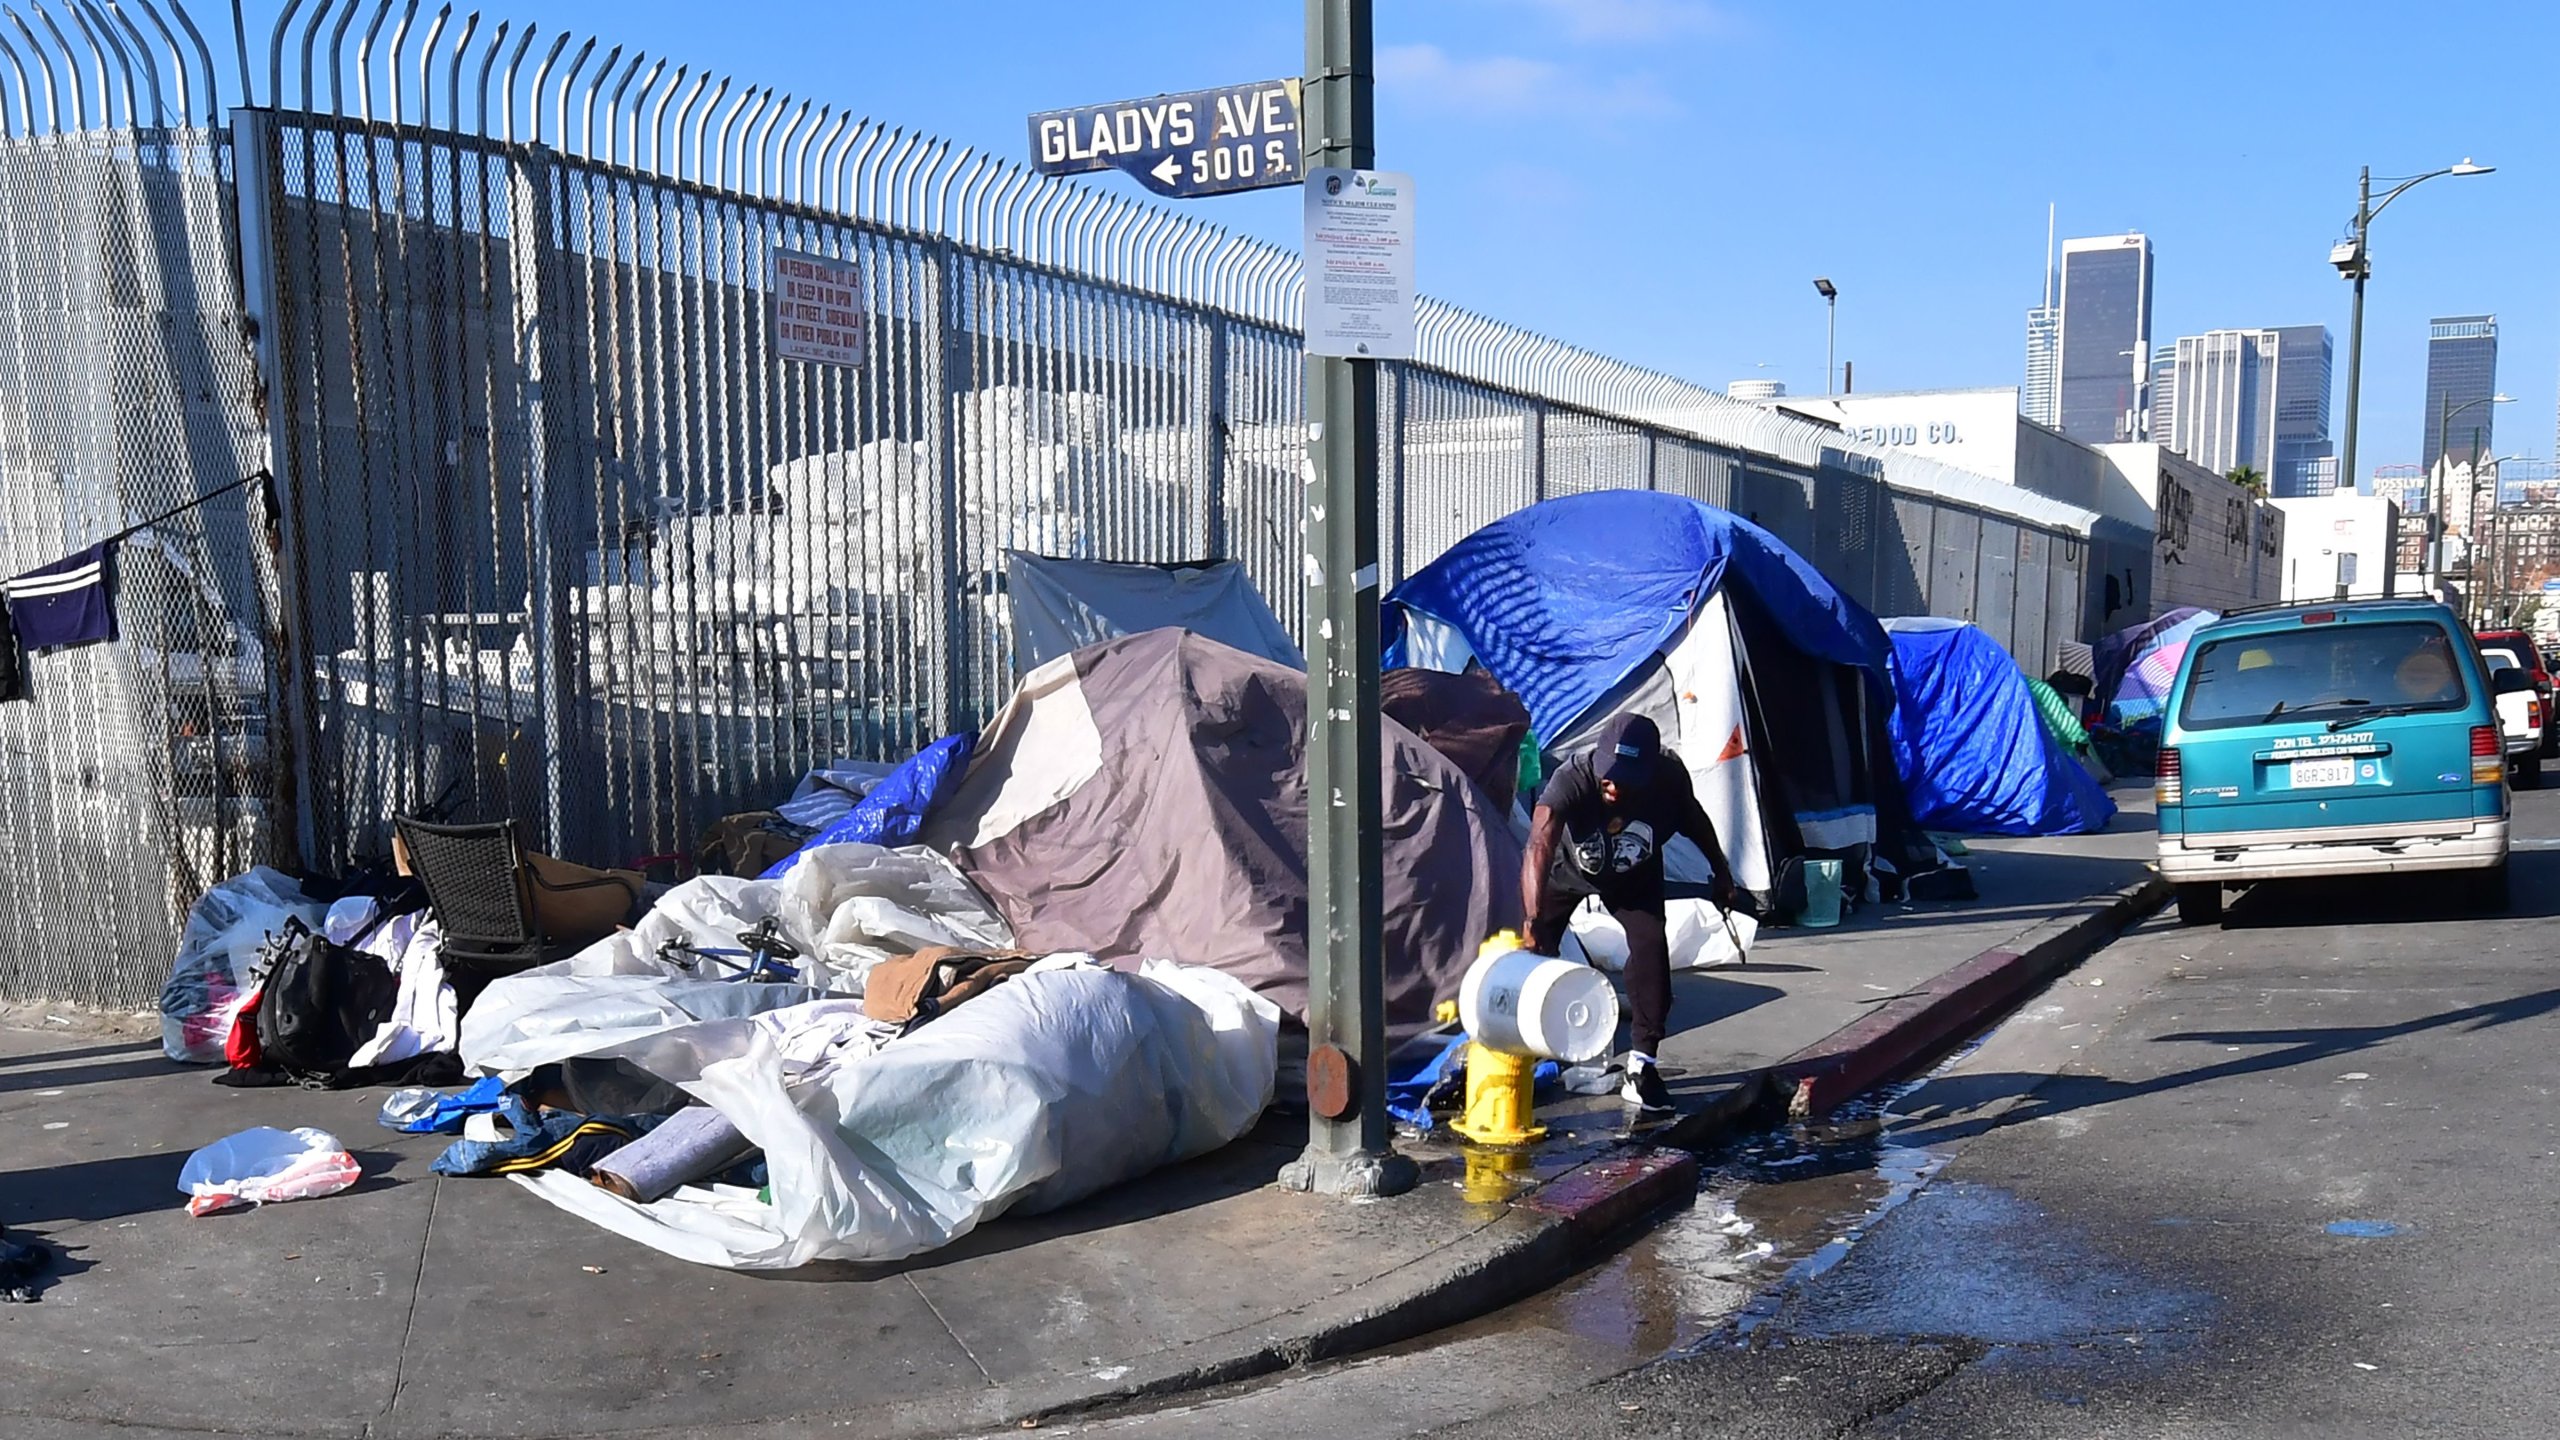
1821,894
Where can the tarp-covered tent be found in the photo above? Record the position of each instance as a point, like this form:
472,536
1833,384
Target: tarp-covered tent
1147,798
1974,753
1064,605
1772,685
2137,665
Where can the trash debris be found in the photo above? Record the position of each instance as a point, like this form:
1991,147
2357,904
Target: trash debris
265,1165
1110,1372
2363,1366
2363,1229
2355,1075
20,1263
592,1269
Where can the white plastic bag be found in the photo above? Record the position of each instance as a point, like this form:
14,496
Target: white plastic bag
1698,935
265,1165
209,984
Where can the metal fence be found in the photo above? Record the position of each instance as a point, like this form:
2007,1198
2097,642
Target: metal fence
561,532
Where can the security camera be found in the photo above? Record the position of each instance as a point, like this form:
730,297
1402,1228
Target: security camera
2348,256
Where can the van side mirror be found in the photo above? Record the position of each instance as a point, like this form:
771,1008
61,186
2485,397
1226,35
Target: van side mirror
2509,680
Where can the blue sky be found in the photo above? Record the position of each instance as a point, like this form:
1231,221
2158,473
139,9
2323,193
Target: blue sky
1661,179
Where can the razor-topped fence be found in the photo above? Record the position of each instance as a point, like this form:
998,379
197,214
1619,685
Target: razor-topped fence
579,518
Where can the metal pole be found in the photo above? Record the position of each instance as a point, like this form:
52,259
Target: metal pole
1831,343
1349,1149
2355,327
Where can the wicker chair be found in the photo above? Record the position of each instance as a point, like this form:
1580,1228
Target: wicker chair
481,892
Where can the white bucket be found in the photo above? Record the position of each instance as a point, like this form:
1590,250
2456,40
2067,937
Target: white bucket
1525,1004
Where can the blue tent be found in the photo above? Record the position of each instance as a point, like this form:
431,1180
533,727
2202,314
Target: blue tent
1564,600
1585,606
1974,754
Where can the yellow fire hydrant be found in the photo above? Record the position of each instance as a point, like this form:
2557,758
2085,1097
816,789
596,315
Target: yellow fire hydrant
1502,1101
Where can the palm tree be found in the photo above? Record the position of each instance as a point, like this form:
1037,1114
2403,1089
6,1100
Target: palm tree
2249,478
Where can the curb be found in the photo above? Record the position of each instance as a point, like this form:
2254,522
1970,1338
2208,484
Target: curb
1957,1002
1556,1228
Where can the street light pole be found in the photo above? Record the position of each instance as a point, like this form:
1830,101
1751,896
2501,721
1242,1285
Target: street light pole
2355,329
2434,568
2355,262
1830,294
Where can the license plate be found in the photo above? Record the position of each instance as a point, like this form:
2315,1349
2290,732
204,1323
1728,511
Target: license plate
2317,774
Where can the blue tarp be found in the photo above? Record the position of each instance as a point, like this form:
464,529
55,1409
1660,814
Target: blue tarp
1563,600
1975,756
893,812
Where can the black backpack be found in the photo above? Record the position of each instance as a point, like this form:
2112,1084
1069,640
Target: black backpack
321,1003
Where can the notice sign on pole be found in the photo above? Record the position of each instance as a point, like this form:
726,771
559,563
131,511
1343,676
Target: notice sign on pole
1359,260
817,308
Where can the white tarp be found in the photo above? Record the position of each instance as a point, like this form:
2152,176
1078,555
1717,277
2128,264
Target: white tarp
1044,1090
1061,606
846,907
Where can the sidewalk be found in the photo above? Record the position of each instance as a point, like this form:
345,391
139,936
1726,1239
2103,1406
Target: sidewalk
416,1306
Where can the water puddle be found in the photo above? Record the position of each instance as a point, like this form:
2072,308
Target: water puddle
1774,1208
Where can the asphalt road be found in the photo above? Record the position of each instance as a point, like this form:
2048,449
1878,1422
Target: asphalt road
2297,1175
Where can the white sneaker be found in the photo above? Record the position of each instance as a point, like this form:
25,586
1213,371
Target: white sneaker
1644,1088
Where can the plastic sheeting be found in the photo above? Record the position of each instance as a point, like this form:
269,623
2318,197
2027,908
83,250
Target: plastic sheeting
2136,666
893,809
1975,756
846,907
1061,606
1569,597
1046,1089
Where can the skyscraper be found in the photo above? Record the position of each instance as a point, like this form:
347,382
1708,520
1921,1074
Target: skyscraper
2254,398
2306,459
2164,392
2462,369
2106,339
2038,398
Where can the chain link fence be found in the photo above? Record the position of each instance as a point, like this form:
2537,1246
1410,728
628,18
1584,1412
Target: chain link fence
564,530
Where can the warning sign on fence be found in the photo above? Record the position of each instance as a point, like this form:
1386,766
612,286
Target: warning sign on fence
817,308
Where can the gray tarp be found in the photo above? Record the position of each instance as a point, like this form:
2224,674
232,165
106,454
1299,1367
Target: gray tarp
1060,606
1147,797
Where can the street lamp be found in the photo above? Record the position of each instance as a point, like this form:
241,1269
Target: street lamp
1830,294
2355,262
2444,462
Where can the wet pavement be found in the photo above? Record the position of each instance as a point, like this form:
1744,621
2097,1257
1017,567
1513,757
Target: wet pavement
2297,1175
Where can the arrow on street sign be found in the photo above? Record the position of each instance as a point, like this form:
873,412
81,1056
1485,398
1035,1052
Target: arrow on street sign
1199,142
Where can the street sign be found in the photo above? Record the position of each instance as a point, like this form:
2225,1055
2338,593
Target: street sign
1199,142
1359,264
817,308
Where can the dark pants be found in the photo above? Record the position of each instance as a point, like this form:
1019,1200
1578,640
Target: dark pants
1648,958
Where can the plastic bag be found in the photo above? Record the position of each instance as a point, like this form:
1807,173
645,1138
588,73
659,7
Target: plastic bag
209,984
265,1165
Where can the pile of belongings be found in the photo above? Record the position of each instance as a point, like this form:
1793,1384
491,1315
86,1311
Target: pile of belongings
853,1060
334,984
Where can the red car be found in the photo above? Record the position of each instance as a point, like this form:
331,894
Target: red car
2520,646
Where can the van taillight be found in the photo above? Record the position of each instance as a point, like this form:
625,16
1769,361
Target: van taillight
2171,789
2488,756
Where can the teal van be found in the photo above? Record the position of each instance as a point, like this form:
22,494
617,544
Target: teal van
2354,737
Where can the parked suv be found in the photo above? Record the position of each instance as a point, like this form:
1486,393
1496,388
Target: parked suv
2529,658
2347,738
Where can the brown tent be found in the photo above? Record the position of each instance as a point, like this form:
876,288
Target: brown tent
1468,717
1147,797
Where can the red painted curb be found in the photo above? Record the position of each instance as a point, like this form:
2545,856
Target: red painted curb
1879,1044
1606,1194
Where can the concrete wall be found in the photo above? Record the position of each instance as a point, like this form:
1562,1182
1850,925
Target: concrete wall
2213,544
2320,531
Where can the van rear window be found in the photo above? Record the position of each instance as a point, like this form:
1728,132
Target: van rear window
2322,672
